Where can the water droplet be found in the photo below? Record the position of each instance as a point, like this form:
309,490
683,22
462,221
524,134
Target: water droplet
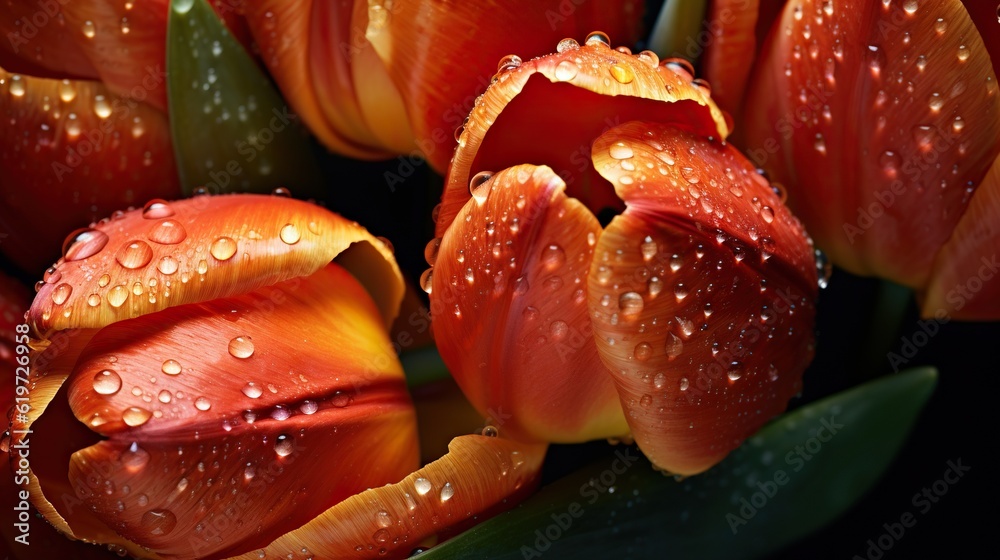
823,269
223,248
241,347
426,280
553,256
135,416
648,248
630,303
963,53
341,399
135,254
107,382
820,144
171,367
643,351
158,522
93,300
684,384
447,491
101,107
478,187
61,293
910,6
655,286
308,407
735,371
252,390
89,29
283,445
936,102
422,486
84,243
167,265
598,38
674,346
431,250
890,162
164,396
940,26
167,232
289,234
202,404
134,458
117,296
566,71
622,74
508,63
567,44
490,431
620,150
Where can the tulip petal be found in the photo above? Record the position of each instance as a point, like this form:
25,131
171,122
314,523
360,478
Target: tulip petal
238,133
478,476
201,249
508,302
548,110
14,302
40,43
963,285
421,44
68,141
307,47
702,294
731,50
240,394
917,86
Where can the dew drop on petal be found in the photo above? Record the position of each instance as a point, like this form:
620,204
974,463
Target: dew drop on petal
107,382
241,347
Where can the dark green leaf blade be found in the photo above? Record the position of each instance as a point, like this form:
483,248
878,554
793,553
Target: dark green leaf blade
609,509
232,131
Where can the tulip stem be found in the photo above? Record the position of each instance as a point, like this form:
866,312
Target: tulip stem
891,306
677,28
423,366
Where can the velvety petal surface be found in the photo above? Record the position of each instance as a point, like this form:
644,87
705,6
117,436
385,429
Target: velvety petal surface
510,315
203,248
702,294
66,142
964,284
422,43
478,477
914,81
730,50
548,110
233,421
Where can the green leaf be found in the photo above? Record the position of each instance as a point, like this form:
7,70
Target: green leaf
232,131
677,28
619,507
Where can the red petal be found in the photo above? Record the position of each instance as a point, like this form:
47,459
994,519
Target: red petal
510,314
554,106
201,249
68,141
921,95
962,285
278,394
478,477
731,50
38,41
702,294
421,44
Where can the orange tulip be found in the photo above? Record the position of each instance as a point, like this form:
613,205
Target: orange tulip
207,383
375,79
685,322
83,94
881,119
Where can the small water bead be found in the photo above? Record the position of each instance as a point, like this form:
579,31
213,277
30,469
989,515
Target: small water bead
447,491
630,303
117,296
93,300
164,396
622,74
107,382
135,254
963,53
643,351
422,486
890,162
508,63
84,243
654,286
957,125
680,66
567,44
645,401
553,256
167,265
61,293
823,269
134,458
598,38
490,431
283,445
703,84
648,248
767,213
674,346
135,416
16,86
620,150
936,102
431,250
735,371
167,232
89,29
101,107
158,522
684,384
308,407
426,280
566,71
289,234
223,248
252,390
202,404
478,187
940,25
241,347
171,367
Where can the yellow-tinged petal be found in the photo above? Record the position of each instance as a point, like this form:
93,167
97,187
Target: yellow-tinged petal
510,312
188,251
964,283
701,294
548,110
479,474
240,393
